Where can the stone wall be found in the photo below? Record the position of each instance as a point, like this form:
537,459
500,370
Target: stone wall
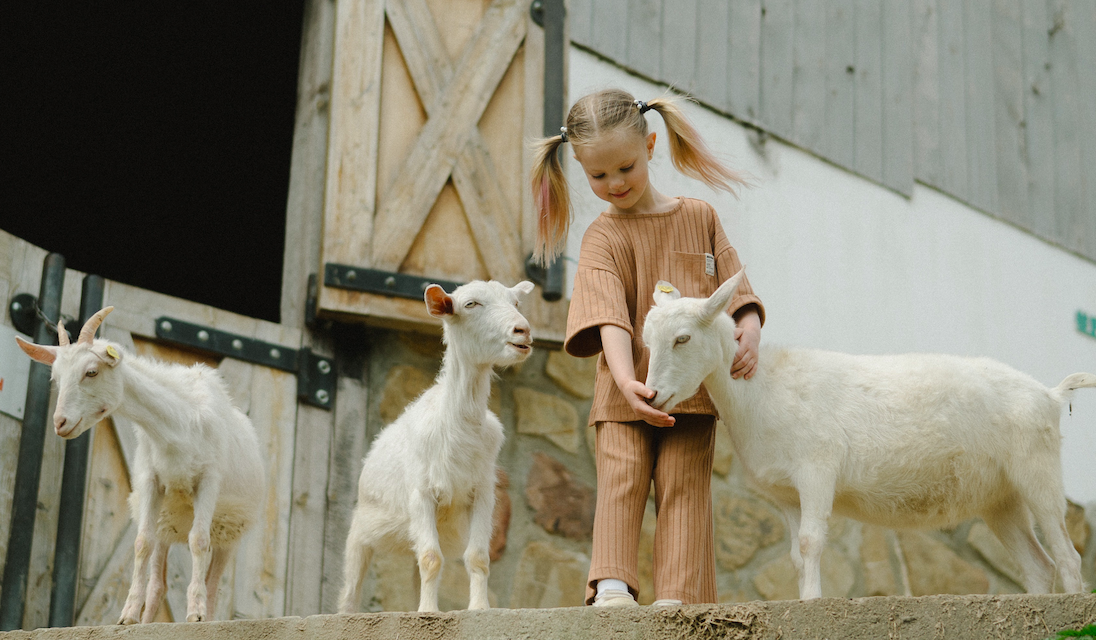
544,518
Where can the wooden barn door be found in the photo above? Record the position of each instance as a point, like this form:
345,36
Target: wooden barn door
432,103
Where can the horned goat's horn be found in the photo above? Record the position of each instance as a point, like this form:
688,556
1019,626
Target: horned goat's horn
62,335
87,334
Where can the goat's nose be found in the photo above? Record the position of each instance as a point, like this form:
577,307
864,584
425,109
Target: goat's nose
59,423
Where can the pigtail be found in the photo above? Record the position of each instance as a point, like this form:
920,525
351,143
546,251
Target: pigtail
688,152
551,200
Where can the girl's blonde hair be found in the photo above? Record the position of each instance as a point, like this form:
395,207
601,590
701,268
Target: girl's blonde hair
598,114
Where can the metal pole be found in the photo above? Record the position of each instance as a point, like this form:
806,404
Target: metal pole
66,555
555,44
33,437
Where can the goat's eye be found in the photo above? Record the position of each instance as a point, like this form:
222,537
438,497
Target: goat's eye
470,304
681,340
91,374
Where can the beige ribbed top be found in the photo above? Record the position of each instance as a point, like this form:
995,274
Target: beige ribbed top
622,257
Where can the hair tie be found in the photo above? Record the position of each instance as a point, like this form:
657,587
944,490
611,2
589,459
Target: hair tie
642,106
563,134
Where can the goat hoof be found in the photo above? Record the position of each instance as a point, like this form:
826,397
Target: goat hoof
195,617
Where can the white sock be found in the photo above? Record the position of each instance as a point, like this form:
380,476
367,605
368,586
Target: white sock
611,583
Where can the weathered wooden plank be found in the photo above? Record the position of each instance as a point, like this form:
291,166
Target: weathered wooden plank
609,22
777,64
643,24
10,434
897,99
981,144
953,99
1084,226
533,122
809,76
350,192
679,44
868,68
838,141
580,19
428,167
1008,79
744,60
348,447
106,512
304,202
713,42
926,92
104,604
1068,121
1038,130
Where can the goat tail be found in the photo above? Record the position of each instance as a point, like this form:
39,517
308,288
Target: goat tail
1072,382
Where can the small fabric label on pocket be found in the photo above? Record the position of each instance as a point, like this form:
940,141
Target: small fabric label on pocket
709,264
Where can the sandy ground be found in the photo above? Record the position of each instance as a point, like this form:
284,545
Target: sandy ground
942,617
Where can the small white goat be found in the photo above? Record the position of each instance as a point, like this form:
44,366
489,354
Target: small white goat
429,478
197,475
903,441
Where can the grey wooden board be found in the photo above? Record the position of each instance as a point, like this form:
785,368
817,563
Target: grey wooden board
744,66
981,144
777,62
897,101
579,19
712,51
608,29
644,36
1008,112
926,91
1084,25
808,76
1064,76
868,66
1038,118
679,44
839,68
953,91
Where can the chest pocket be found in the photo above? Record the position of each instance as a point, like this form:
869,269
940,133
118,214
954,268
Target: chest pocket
693,273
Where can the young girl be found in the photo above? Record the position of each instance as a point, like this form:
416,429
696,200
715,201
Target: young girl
642,237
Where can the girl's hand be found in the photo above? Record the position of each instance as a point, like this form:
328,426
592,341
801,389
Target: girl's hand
748,333
637,395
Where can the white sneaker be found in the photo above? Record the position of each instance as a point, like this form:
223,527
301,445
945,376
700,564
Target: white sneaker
666,602
615,598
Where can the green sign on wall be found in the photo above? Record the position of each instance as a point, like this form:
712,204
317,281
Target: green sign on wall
1086,324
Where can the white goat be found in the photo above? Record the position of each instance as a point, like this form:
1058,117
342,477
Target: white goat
429,478
197,475
918,441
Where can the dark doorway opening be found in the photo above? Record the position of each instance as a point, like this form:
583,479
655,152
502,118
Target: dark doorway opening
150,142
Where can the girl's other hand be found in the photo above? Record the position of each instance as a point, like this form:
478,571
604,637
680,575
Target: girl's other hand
748,334
637,395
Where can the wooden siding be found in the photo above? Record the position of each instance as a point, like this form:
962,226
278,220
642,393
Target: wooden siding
982,99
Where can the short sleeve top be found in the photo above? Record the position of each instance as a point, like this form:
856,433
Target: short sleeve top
623,256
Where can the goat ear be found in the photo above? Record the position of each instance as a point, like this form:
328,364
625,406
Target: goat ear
38,352
665,292
524,287
438,303
720,301
107,353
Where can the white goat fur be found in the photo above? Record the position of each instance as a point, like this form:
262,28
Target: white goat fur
428,481
901,441
197,474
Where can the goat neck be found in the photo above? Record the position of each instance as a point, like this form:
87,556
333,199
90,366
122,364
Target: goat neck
466,384
151,402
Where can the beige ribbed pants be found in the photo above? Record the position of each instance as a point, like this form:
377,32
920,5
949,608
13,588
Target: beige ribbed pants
679,460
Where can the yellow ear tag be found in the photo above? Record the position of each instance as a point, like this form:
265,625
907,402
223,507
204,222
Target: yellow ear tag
112,352
665,288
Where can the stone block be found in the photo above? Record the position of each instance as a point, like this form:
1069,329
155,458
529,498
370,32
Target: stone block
397,585
574,375
455,587
778,580
934,568
500,526
742,526
645,565
548,416
548,576
724,449
561,503
876,555
990,548
403,384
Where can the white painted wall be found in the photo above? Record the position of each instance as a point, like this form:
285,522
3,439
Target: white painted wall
844,264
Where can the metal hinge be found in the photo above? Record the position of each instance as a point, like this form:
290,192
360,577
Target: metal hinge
315,373
387,283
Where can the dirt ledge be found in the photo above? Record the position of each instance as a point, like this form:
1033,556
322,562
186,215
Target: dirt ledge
938,617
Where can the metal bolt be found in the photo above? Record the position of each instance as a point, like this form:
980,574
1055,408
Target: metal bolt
274,353
166,326
322,396
352,275
390,281
237,344
203,335
324,366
